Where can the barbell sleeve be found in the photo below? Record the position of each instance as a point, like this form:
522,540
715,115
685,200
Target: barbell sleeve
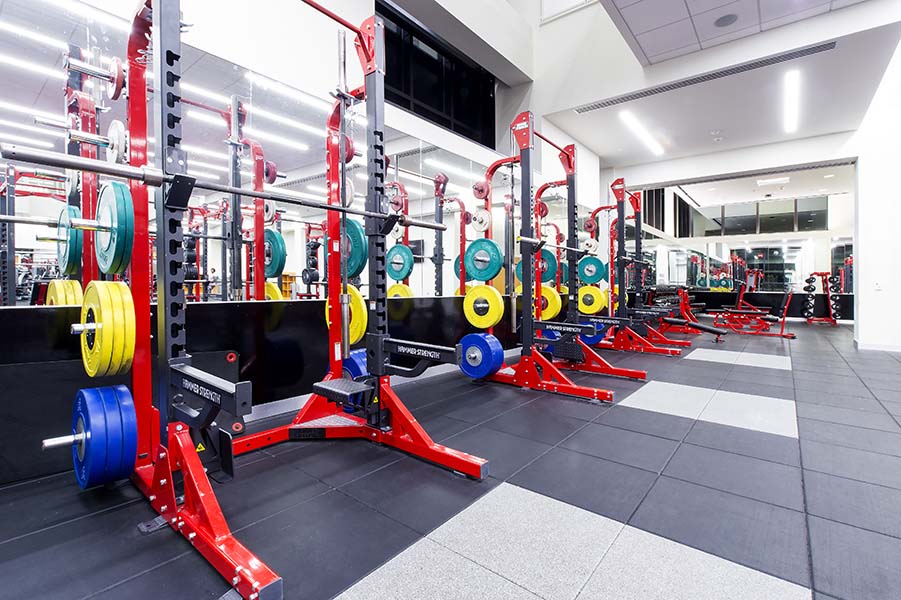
63,440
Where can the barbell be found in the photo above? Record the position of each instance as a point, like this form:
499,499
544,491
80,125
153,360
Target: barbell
155,177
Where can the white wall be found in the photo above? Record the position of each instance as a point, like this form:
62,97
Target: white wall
877,259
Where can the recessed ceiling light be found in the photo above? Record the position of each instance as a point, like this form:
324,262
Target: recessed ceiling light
726,20
715,132
773,181
829,176
711,189
824,189
641,133
717,140
791,100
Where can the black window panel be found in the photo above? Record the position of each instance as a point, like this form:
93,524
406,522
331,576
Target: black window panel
429,78
652,208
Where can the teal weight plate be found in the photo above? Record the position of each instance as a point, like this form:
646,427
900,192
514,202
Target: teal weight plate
457,270
357,252
592,270
399,262
550,267
116,211
483,259
275,253
68,248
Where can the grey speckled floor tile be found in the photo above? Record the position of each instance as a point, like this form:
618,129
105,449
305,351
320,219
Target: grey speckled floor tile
644,566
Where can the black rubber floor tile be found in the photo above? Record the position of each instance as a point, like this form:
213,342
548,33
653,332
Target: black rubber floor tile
856,503
416,394
839,400
188,576
264,487
338,462
754,375
675,376
853,563
756,444
532,422
755,534
569,407
441,427
487,404
620,387
506,453
323,546
852,437
646,421
482,402
821,596
420,495
827,378
860,465
759,389
603,487
50,501
86,555
623,446
847,416
751,477
884,384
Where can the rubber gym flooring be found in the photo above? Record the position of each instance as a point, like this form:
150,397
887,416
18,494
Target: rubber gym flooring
756,468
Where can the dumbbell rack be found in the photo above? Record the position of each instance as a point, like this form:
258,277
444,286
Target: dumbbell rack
831,317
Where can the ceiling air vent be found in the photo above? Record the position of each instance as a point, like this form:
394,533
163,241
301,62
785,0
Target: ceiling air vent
757,64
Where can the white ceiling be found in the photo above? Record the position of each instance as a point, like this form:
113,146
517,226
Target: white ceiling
659,30
801,184
743,109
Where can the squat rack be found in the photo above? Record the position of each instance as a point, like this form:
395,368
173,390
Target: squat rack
534,370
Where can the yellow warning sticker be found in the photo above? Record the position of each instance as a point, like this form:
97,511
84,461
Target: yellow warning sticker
200,447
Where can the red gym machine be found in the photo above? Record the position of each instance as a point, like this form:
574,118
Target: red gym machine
534,370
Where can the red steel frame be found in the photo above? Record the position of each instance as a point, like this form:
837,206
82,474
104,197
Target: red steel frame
405,210
82,114
623,337
533,370
199,518
406,434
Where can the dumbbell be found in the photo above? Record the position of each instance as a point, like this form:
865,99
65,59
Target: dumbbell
834,279
835,289
809,288
190,256
810,280
190,243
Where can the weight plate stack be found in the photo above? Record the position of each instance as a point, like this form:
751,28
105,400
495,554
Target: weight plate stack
275,253
352,367
400,290
359,315
309,276
399,262
271,291
68,245
483,355
108,341
355,248
551,304
591,300
457,271
105,426
592,270
483,259
115,211
64,292
549,265
591,340
483,306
